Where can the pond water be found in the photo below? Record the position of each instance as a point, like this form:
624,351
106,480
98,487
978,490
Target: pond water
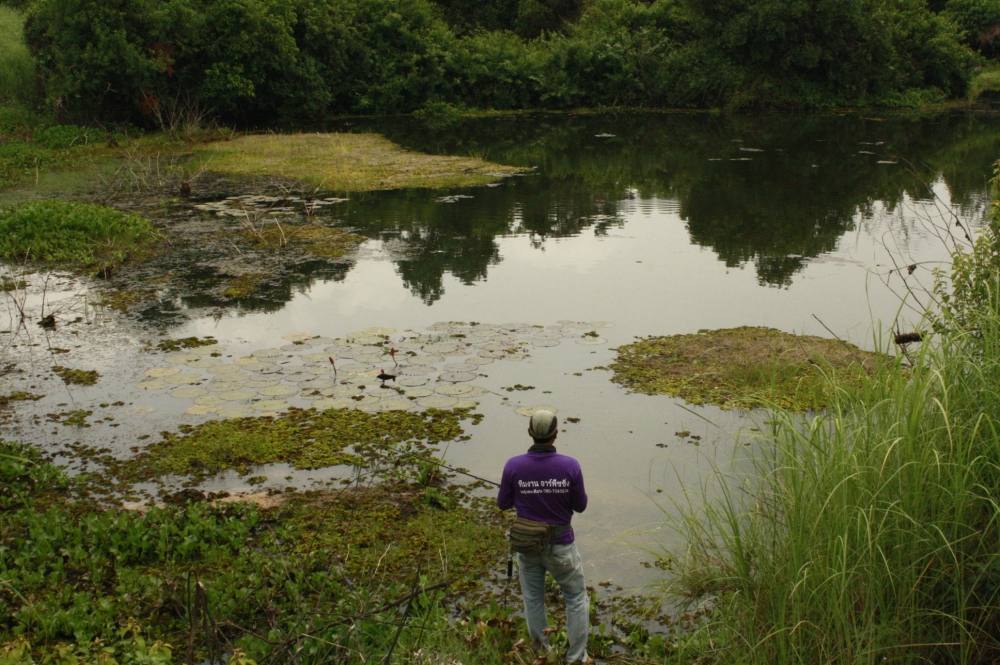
627,225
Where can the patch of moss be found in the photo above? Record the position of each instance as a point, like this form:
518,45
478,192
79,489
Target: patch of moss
345,162
304,438
185,343
122,300
741,368
81,377
18,396
244,285
75,418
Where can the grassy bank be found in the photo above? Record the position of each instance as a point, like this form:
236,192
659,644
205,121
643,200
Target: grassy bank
871,533
344,162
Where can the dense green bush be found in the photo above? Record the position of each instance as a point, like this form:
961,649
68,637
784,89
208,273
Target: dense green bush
268,62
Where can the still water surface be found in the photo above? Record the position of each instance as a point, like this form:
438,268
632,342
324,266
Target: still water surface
654,224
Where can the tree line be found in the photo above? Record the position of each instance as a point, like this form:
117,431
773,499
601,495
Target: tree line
275,62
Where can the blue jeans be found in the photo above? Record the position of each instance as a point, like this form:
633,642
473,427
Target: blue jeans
565,565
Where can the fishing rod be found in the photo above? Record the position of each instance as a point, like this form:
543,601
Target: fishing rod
450,468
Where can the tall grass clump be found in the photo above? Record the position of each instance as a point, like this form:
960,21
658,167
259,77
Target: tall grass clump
869,532
71,235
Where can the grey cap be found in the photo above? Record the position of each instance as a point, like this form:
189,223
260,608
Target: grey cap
543,424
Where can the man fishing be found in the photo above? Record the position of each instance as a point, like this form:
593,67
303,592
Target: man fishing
545,488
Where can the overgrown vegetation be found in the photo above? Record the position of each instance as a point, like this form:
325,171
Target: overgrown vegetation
870,531
321,578
78,377
79,236
304,438
181,343
179,62
743,368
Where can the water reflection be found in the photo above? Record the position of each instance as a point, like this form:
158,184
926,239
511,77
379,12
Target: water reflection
771,192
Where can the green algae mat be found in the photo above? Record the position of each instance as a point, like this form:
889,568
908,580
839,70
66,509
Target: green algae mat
741,368
345,162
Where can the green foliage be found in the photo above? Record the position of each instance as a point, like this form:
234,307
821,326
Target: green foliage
971,292
288,61
304,438
24,475
313,579
871,529
72,235
978,22
17,72
743,368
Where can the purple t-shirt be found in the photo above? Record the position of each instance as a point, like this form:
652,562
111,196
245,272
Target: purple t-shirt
545,487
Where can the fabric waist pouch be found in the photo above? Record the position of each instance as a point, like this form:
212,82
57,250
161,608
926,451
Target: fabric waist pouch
532,537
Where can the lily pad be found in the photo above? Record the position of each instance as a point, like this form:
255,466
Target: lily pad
235,411
458,377
160,372
236,395
199,410
338,403
454,390
281,390
528,411
154,385
188,392
270,405
437,402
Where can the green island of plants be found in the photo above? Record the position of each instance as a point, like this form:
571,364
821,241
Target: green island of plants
78,236
18,396
76,377
742,368
304,438
344,162
180,343
326,242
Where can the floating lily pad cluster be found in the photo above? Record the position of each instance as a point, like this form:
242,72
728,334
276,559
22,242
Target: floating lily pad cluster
238,206
432,369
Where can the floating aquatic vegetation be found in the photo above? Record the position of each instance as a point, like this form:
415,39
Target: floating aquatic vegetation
741,367
185,343
528,411
243,286
82,377
18,396
304,438
122,300
435,368
75,418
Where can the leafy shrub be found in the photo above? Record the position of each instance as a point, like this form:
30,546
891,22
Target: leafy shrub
73,235
288,61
